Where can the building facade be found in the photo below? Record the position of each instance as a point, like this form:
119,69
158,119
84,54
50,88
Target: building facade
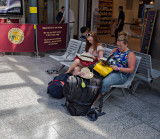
97,14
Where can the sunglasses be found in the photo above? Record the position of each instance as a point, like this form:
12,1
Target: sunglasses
88,34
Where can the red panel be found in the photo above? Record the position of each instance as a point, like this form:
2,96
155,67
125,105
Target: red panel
51,37
17,38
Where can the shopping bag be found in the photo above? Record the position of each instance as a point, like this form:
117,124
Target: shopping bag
103,70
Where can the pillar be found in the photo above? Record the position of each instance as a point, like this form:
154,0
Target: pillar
67,19
50,11
33,11
82,14
66,11
33,19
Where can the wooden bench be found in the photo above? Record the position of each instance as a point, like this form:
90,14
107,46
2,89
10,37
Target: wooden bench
145,72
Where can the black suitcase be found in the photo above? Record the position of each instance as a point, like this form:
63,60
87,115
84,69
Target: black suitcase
80,99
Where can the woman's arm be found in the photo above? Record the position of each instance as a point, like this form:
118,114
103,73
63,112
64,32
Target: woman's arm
131,64
100,52
112,51
100,55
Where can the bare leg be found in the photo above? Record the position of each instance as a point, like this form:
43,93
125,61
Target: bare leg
73,65
76,70
99,95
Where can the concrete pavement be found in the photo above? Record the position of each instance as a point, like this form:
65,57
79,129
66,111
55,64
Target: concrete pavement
27,112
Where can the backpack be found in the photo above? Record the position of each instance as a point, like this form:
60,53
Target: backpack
80,99
55,87
59,16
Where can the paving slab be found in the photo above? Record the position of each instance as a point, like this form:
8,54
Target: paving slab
28,112
141,131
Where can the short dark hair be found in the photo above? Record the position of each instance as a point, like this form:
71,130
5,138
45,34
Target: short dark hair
83,29
62,7
121,7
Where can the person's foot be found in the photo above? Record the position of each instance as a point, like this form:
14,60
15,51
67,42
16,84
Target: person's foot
94,107
50,71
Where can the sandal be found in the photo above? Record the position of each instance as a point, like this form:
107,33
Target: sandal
50,71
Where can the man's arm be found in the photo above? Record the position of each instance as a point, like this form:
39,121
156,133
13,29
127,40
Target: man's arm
119,23
61,20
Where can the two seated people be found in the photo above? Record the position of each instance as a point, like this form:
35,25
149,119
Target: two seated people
121,71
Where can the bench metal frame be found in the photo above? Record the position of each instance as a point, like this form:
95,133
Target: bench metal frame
81,50
145,72
69,55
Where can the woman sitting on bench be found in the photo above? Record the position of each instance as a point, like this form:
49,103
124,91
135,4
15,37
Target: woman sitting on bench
125,65
94,47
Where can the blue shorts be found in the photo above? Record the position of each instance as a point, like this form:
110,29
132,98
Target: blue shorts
114,78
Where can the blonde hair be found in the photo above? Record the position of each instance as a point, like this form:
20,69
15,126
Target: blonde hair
123,37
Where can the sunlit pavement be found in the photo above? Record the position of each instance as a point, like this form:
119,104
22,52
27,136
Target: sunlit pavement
27,112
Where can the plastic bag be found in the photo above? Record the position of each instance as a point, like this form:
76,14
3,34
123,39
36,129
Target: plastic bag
103,70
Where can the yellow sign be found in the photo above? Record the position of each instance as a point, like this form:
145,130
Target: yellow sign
16,35
33,9
34,26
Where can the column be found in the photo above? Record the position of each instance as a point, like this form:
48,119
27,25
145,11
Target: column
82,14
66,11
33,11
67,19
50,11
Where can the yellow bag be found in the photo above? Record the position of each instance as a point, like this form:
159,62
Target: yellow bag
102,70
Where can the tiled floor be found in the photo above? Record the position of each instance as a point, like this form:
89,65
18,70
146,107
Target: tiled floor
27,112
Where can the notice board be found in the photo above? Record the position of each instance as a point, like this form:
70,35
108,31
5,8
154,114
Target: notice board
147,36
51,36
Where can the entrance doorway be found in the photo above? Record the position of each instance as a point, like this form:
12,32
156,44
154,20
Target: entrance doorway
42,11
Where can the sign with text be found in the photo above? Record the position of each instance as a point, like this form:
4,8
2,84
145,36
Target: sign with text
17,38
148,31
51,36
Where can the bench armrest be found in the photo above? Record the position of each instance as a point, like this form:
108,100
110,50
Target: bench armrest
70,53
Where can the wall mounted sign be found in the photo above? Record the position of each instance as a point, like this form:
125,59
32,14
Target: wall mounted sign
147,36
51,36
